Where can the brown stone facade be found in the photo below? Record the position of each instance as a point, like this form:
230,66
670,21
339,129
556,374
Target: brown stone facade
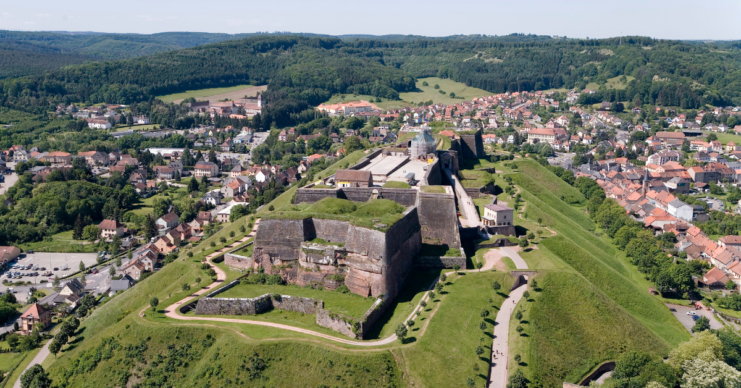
369,261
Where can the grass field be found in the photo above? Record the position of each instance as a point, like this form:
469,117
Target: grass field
612,83
426,93
726,138
231,92
60,242
349,304
384,104
445,356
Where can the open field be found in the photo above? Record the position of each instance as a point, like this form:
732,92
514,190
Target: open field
426,93
349,304
384,104
60,242
216,94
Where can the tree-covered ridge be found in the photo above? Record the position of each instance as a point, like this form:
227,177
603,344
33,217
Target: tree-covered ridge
308,70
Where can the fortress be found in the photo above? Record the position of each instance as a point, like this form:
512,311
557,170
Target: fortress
371,258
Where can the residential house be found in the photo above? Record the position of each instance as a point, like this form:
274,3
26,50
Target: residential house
109,228
94,158
207,169
35,314
163,172
73,287
167,222
134,269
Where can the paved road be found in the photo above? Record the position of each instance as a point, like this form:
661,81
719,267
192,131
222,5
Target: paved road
464,201
40,357
500,347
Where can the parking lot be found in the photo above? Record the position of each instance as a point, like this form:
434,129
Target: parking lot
59,264
688,320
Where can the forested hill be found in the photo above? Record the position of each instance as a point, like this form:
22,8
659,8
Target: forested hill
308,70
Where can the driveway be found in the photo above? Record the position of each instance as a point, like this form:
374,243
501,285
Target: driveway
688,321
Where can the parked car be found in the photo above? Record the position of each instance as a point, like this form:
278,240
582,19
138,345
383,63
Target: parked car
691,313
95,271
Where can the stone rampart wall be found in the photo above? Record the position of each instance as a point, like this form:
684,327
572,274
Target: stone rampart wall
433,175
507,230
234,260
338,323
439,262
438,221
252,306
472,146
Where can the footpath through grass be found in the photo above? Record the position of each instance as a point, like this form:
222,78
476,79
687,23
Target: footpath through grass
445,356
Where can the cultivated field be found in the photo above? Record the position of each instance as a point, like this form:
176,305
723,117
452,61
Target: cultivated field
215,94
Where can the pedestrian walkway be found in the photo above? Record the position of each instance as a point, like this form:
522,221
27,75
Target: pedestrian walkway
500,346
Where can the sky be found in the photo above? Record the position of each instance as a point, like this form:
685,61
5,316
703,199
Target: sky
663,19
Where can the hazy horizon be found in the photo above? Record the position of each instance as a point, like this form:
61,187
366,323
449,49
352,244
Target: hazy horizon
662,19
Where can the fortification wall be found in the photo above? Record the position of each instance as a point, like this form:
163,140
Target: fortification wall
507,230
331,230
439,262
337,322
234,260
279,240
433,175
258,305
472,145
314,195
438,221
403,242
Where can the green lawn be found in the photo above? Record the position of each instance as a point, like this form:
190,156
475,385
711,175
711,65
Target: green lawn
433,189
22,360
200,93
402,306
726,138
349,304
379,214
121,127
396,185
426,93
445,355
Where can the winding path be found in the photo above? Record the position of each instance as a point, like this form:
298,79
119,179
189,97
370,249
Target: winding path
500,348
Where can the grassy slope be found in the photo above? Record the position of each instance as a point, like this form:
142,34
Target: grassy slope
599,308
119,318
445,356
429,92
570,327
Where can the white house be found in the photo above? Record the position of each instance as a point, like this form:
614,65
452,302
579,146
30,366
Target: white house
680,209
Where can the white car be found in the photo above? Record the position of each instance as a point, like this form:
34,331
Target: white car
691,313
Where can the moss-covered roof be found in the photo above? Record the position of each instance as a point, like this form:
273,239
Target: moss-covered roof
378,214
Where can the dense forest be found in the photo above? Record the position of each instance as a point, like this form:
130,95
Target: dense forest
302,71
